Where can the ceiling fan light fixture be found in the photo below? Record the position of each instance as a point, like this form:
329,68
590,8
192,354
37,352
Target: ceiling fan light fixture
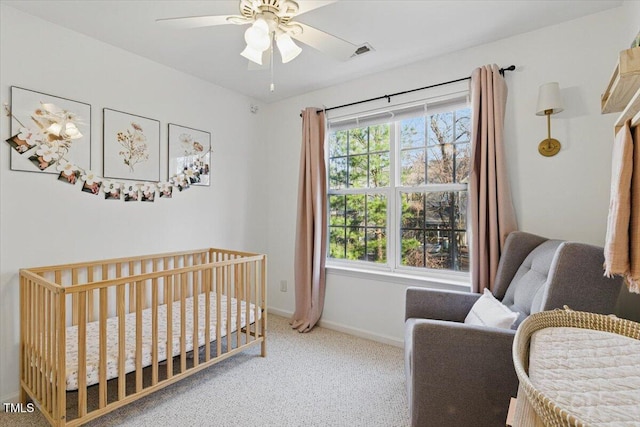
252,55
257,38
288,49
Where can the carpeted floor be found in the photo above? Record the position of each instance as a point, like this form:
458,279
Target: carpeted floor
323,378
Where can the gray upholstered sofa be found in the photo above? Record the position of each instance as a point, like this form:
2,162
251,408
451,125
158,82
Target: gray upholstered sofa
462,375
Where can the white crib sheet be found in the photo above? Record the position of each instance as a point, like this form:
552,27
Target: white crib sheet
93,338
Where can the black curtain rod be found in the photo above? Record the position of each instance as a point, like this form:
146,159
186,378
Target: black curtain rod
388,97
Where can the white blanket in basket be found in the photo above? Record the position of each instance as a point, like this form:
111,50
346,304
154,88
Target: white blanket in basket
592,374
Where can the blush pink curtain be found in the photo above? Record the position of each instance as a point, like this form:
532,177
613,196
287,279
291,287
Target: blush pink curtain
492,216
311,241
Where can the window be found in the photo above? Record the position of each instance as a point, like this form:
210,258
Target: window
397,194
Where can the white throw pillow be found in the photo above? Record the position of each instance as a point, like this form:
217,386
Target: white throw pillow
488,311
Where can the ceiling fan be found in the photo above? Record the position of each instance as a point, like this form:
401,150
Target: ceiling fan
273,20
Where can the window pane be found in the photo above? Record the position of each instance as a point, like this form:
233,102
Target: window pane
463,251
338,173
355,243
412,132
355,210
337,247
461,210
377,211
376,245
412,210
463,125
358,141
379,170
412,167
440,129
438,210
463,163
358,171
379,138
338,143
337,210
438,249
412,248
440,164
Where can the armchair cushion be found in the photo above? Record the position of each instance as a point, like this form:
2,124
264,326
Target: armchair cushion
488,311
527,287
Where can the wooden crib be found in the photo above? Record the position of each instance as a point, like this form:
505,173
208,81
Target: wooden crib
95,336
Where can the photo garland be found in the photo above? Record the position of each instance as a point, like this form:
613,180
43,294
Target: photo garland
49,130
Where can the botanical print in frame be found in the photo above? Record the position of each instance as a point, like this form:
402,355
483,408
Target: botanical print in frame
131,147
48,131
189,155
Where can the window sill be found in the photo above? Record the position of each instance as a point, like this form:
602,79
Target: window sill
433,281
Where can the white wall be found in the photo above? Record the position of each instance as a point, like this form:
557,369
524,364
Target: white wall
45,222
564,197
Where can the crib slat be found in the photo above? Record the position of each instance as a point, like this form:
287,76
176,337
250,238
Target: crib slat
228,271
90,310
102,370
218,311
207,314
132,299
247,306
168,292
38,342
82,354
62,356
196,298
238,292
139,336
74,298
54,358
122,379
262,306
183,321
47,350
154,327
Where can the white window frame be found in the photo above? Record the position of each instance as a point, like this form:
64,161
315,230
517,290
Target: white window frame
393,269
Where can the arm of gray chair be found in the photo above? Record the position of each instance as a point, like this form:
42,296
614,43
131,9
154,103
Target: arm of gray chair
516,248
437,304
576,278
459,374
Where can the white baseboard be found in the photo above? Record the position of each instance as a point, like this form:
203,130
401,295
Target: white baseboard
385,339
10,398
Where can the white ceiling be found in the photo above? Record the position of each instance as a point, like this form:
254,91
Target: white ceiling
401,32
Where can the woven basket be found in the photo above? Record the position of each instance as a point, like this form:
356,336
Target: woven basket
549,411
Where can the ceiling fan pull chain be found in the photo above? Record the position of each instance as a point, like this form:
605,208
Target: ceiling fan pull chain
273,86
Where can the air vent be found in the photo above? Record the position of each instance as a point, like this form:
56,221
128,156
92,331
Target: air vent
364,49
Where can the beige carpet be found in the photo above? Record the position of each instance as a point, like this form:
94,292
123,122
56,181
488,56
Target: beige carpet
323,378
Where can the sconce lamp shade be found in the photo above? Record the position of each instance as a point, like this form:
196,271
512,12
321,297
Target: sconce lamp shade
549,99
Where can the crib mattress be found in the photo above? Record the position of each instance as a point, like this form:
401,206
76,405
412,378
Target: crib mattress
592,374
93,337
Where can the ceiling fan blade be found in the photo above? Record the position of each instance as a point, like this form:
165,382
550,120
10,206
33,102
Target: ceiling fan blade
202,21
306,6
325,42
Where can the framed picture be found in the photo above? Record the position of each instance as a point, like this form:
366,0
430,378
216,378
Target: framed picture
48,131
189,155
131,147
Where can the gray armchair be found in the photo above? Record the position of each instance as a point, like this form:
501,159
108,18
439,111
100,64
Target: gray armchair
462,375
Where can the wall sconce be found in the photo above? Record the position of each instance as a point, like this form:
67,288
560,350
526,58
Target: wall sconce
549,102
